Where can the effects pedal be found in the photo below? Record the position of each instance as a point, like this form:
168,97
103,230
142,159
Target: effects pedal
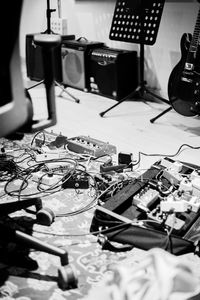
87,145
50,139
76,181
79,144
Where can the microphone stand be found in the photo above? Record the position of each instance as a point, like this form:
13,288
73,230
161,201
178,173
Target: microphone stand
49,11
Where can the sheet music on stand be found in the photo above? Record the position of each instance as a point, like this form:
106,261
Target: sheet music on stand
136,21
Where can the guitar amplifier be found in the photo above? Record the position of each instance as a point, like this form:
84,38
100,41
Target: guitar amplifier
113,72
75,62
34,63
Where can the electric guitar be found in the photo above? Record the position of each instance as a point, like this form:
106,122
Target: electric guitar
184,80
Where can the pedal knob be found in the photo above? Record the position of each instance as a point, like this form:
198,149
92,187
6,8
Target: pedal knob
67,277
45,216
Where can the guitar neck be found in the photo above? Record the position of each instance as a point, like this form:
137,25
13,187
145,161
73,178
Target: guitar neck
195,38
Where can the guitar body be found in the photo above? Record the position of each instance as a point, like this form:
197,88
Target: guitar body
183,84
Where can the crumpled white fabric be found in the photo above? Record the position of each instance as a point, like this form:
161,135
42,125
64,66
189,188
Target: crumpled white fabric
160,276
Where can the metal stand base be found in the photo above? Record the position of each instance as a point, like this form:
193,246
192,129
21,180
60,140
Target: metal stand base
64,90
161,114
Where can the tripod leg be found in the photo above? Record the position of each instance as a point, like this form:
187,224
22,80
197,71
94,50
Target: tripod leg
157,96
65,91
119,102
161,114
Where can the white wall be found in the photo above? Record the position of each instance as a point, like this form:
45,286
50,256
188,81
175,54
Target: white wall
92,19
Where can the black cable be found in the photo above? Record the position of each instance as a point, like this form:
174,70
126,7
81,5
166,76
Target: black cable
83,209
34,137
164,155
27,172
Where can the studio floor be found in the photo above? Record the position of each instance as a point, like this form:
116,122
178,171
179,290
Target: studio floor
126,126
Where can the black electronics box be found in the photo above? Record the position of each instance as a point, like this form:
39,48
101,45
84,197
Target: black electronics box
75,62
113,72
171,225
34,63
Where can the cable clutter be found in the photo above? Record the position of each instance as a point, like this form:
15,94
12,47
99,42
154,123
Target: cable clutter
35,169
158,207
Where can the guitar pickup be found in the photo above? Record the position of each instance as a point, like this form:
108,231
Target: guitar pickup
186,79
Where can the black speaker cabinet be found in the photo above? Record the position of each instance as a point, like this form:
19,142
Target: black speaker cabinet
75,62
34,65
113,72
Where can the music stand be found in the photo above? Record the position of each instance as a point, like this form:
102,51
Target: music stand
137,22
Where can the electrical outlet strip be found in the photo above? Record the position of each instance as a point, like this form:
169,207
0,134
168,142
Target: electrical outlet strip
49,156
59,26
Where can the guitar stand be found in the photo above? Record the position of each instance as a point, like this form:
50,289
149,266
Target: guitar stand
137,22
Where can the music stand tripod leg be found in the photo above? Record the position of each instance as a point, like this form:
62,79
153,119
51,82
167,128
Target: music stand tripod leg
157,96
120,101
161,114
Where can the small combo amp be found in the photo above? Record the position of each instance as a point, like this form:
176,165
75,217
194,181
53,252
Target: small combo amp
113,72
75,62
34,64
87,65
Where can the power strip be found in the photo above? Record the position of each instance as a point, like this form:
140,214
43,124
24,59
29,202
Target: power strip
49,156
59,26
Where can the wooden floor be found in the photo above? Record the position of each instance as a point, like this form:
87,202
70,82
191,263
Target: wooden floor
126,126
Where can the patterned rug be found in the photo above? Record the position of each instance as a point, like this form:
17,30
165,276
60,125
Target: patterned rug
26,273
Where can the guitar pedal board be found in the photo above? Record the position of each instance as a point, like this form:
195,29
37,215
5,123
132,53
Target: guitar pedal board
164,202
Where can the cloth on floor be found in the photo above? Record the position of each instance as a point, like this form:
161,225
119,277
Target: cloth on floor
160,276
